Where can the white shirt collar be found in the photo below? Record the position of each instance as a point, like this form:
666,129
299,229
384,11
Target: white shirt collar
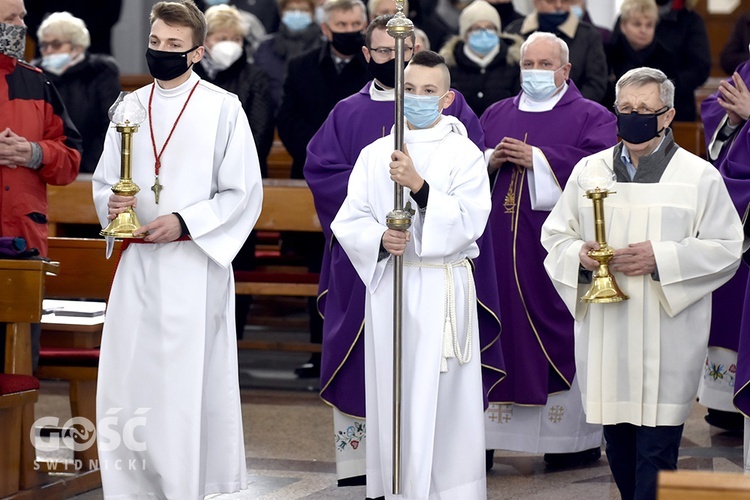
377,94
532,106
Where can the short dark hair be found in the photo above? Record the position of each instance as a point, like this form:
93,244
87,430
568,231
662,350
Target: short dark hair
181,13
381,23
427,58
430,59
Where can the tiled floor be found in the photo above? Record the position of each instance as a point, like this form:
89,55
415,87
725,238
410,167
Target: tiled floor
290,456
289,436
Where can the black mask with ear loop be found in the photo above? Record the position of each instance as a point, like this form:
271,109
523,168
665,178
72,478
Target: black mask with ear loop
348,43
385,72
164,65
639,128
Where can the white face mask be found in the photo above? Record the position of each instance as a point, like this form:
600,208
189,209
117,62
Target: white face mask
224,54
56,63
538,84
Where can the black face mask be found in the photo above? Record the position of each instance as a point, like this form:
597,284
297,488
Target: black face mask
637,129
167,66
385,72
348,43
550,21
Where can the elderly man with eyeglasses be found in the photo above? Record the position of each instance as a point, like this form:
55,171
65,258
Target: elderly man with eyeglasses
354,123
676,237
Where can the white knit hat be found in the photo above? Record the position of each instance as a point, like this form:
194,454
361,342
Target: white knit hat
477,11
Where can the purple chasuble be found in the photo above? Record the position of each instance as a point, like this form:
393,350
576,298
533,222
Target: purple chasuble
728,300
735,168
354,123
537,337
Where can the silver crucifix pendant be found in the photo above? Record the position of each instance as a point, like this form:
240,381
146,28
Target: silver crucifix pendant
156,188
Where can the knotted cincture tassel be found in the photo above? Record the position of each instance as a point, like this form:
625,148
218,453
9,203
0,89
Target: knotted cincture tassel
448,350
450,345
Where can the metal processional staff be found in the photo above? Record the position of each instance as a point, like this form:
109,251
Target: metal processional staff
400,28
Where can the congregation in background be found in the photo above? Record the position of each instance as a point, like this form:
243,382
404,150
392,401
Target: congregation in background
505,114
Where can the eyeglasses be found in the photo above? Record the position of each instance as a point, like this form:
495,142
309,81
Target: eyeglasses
479,30
626,110
54,44
385,53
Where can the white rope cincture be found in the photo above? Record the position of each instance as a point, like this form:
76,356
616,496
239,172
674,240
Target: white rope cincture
451,347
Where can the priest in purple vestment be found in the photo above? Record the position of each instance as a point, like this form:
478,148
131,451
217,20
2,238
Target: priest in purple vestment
354,123
725,116
532,143
722,126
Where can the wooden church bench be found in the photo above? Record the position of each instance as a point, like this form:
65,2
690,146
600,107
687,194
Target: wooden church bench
18,393
702,485
287,206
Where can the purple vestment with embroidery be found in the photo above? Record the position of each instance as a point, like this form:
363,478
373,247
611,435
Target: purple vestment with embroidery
537,335
734,165
728,300
354,123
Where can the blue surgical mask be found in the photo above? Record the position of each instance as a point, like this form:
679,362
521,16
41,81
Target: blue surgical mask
483,41
422,110
296,20
538,84
577,10
54,63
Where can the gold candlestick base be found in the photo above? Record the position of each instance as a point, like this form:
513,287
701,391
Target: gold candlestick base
123,225
604,289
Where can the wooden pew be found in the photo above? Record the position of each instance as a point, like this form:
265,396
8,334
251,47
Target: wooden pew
70,349
689,135
287,206
18,393
702,485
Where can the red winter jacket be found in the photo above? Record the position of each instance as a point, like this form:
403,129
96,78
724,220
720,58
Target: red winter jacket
31,108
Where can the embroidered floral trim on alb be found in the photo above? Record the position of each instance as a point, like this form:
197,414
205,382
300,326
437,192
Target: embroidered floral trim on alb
352,436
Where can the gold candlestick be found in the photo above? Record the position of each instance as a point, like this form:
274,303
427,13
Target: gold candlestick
127,113
597,179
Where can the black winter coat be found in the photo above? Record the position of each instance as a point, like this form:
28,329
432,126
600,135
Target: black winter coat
251,85
621,58
312,88
735,52
682,34
88,89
